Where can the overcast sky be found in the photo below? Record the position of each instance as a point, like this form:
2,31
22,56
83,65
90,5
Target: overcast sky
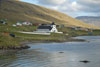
73,8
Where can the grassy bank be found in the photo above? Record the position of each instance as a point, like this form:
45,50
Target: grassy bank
8,42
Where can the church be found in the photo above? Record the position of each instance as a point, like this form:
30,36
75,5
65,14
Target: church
47,28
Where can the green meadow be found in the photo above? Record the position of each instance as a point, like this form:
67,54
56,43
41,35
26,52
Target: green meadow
6,41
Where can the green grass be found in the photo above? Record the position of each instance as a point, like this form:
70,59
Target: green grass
96,32
8,41
6,28
72,32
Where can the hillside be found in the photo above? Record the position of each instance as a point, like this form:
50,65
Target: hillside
95,20
14,10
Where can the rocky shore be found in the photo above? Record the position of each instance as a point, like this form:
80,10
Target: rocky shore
23,44
15,47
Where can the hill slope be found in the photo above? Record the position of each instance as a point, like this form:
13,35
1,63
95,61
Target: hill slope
15,10
90,20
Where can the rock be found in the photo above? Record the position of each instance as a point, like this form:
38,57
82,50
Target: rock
25,47
85,61
61,52
14,47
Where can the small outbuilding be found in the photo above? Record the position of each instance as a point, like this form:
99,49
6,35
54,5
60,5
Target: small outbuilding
2,22
19,24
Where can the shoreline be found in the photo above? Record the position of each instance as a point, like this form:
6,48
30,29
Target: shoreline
15,47
23,44
52,41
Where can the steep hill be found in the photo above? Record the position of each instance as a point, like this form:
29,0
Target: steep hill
15,10
95,20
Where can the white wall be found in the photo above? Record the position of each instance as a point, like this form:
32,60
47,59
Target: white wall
54,29
43,30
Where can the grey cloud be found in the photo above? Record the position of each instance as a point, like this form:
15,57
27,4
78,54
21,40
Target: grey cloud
51,2
78,7
89,5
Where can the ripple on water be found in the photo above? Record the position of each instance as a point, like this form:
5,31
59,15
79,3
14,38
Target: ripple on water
68,54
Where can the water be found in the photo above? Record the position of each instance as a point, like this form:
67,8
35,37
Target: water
48,54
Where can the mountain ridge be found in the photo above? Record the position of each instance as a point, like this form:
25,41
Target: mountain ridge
95,20
15,10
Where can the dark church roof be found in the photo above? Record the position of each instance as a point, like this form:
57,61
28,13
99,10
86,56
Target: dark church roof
53,23
45,27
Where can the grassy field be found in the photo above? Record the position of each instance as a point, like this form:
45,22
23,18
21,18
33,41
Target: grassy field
6,41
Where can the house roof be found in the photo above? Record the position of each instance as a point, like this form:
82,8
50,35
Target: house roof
45,27
1,21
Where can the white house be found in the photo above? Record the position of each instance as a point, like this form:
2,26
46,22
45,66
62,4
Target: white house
19,24
47,28
27,23
14,25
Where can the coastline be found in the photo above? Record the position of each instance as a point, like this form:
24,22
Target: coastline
19,43
23,44
52,41
15,47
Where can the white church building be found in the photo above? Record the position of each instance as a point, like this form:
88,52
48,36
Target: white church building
48,28
45,29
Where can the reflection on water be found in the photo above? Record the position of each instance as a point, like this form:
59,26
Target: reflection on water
7,57
48,55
